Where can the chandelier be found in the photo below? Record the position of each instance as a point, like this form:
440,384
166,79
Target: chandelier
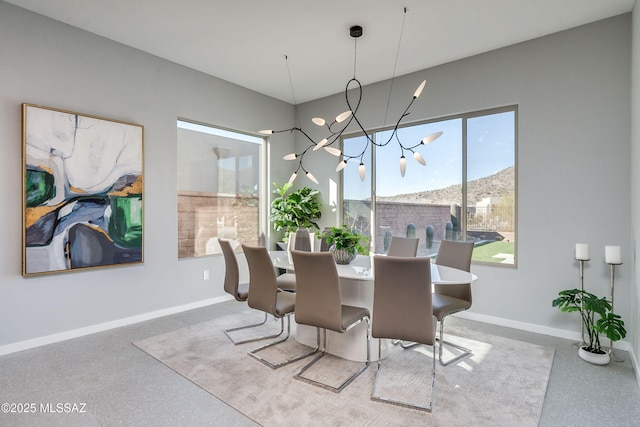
342,121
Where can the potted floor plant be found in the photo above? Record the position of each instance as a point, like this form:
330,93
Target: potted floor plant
295,210
345,243
597,318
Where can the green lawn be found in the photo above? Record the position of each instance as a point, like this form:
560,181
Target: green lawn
486,252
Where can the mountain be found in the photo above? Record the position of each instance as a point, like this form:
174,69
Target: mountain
496,185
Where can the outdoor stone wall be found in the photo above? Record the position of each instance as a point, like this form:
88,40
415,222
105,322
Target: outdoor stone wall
202,217
395,216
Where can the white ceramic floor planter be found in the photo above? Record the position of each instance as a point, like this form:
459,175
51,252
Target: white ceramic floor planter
595,358
307,238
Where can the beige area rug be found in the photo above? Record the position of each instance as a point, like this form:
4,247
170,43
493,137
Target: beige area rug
502,384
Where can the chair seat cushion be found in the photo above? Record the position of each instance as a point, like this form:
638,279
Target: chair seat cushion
285,303
243,292
286,281
444,305
351,314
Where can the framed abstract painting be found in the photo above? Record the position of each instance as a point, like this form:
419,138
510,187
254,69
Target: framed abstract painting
83,191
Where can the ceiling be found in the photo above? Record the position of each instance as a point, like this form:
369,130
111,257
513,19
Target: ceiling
245,41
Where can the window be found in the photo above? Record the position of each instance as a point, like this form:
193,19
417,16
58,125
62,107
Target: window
467,190
219,175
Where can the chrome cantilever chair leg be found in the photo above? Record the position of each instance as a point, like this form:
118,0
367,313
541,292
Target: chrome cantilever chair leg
254,325
465,351
405,344
276,365
428,408
349,380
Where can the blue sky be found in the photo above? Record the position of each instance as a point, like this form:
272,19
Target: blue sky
490,149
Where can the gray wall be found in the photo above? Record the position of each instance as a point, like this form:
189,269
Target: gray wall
572,88
48,63
634,295
573,93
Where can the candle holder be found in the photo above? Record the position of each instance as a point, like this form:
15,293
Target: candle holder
612,354
581,343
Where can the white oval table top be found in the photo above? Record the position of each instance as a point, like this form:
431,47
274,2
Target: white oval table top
362,269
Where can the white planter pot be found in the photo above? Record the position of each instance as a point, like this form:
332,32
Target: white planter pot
302,240
595,358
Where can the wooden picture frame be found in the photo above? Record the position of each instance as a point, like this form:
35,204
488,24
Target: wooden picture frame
82,191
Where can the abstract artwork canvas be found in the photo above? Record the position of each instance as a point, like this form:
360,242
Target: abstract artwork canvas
83,191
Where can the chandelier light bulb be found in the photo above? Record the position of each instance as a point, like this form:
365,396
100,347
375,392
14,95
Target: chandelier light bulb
320,144
336,129
311,177
343,116
293,177
419,90
427,139
333,150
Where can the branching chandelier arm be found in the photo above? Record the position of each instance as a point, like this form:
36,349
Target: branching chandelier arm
343,120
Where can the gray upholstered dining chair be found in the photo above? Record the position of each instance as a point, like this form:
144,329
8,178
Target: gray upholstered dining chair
239,290
302,242
403,246
287,281
264,295
319,304
449,299
408,296
324,246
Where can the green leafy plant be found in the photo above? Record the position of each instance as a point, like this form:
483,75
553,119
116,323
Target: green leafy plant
297,209
344,238
597,316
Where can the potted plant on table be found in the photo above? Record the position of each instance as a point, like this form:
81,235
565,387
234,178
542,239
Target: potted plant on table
597,318
297,210
345,243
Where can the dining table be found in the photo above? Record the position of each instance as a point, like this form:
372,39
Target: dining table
356,285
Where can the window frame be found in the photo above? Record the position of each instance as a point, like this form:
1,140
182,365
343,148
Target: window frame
248,137
464,117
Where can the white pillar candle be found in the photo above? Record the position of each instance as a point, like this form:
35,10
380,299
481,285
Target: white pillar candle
582,251
612,255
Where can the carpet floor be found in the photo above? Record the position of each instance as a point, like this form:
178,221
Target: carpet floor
502,384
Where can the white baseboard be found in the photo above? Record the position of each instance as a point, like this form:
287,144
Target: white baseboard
632,356
532,327
75,333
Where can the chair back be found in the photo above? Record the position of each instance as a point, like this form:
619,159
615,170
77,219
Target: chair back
402,299
262,279
318,299
456,255
231,272
403,246
324,246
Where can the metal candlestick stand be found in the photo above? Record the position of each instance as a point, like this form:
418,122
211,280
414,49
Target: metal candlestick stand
613,356
581,343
